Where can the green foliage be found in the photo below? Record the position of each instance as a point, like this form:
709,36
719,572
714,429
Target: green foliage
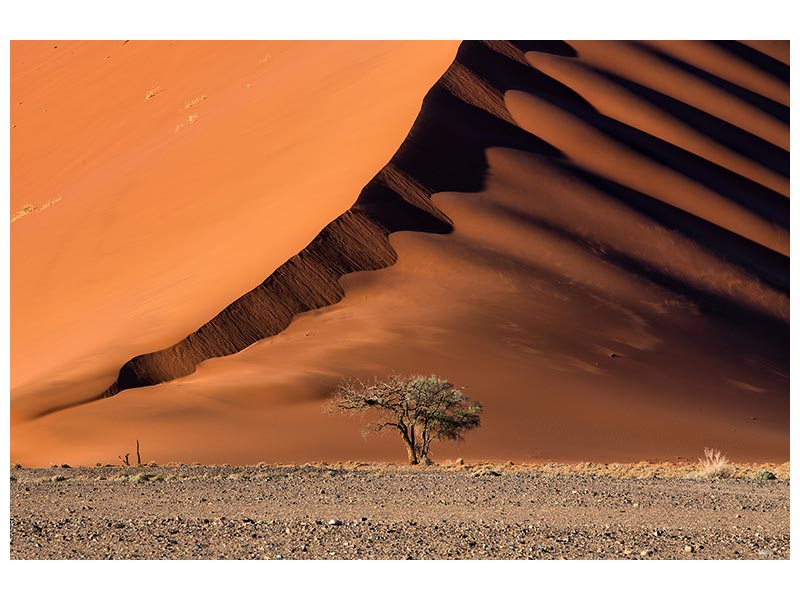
763,474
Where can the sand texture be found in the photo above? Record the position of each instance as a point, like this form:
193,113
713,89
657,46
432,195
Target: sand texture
593,237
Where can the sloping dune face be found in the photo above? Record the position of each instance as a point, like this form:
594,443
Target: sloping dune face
592,236
155,182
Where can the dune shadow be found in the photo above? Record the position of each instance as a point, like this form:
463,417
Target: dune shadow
767,105
726,134
709,302
771,267
756,58
558,47
748,194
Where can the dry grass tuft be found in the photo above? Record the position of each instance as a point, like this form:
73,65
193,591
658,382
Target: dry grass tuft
715,465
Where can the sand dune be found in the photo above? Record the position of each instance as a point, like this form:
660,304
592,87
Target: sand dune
187,171
592,236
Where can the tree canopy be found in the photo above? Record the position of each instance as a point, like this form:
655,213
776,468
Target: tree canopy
422,408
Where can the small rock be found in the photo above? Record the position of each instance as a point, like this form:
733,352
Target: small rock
483,472
334,522
645,553
688,549
765,552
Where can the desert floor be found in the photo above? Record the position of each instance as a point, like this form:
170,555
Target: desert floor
358,511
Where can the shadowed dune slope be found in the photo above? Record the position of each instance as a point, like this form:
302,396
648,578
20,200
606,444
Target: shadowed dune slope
592,236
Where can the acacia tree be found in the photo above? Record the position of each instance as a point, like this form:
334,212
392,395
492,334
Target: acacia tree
421,408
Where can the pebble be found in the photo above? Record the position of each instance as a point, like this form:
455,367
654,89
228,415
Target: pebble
497,530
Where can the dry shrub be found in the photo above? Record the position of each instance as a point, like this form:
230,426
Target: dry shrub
715,465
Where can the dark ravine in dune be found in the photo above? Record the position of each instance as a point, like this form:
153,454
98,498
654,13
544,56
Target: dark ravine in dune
461,116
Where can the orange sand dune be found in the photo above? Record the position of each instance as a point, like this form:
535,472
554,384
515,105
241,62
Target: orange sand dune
175,204
593,237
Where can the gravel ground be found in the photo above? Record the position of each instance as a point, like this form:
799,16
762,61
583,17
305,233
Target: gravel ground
308,512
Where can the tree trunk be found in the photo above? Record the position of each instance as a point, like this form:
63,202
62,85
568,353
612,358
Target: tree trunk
412,453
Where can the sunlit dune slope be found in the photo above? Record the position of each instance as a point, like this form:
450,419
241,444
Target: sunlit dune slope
184,172
593,237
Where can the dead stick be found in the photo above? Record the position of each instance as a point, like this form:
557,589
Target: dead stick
138,456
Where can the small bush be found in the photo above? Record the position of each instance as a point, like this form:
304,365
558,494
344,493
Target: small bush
763,474
55,478
714,466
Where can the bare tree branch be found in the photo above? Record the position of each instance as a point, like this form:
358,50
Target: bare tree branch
424,408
